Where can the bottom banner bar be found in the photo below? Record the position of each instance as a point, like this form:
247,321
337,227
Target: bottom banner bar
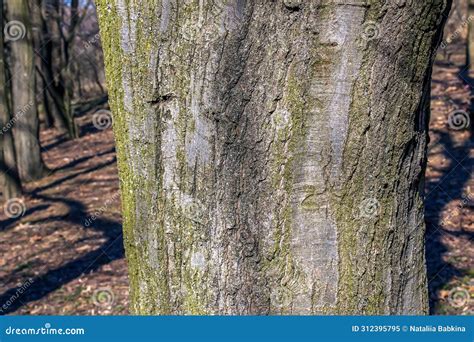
243,328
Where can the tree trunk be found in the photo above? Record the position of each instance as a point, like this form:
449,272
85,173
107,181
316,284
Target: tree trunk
272,153
9,181
34,8
95,74
25,130
52,64
470,37
66,85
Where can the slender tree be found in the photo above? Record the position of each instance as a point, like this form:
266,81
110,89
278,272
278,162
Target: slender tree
67,39
25,130
271,153
470,37
52,65
60,79
34,8
9,180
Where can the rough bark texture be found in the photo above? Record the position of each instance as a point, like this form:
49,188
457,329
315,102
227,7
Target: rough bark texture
9,181
51,64
66,77
470,36
34,10
25,130
271,153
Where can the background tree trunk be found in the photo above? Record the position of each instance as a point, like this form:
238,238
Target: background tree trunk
271,153
9,181
53,64
25,130
34,8
65,72
470,37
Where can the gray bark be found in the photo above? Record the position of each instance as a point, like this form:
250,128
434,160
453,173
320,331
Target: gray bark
271,153
9,181
53,64
25,130
34,10
470,37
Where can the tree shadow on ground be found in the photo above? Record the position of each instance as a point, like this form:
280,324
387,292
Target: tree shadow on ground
75,175
450,186
53,279
9,221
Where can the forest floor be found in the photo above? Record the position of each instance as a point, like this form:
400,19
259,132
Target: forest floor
66,250
64,254
449,196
